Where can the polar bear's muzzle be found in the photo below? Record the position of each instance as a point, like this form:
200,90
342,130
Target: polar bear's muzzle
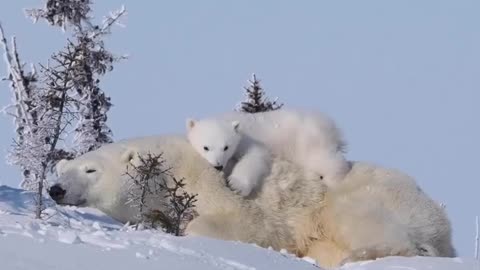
64,196
57,193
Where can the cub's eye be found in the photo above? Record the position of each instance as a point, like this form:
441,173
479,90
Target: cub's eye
90,171
225,148
205,148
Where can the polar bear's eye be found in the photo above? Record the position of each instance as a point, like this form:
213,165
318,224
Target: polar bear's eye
205,148
225,148
90,171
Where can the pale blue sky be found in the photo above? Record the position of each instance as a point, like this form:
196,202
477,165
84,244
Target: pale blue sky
401,78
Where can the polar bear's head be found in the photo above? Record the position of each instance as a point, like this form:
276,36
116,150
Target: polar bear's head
96,179
214,140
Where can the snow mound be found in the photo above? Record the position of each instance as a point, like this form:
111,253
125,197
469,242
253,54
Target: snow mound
84,238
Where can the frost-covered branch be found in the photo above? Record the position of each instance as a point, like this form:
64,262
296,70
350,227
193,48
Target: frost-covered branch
109,21
20,83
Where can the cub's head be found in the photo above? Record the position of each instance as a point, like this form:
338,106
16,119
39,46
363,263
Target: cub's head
214,140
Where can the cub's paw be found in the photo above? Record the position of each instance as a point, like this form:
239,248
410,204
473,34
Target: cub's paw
239,185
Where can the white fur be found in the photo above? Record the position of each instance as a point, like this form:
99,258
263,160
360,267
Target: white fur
374,212
244,161
309,139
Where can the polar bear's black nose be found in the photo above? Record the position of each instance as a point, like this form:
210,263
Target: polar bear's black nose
56,192
219,168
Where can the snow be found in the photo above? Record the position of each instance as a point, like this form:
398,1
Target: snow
84,238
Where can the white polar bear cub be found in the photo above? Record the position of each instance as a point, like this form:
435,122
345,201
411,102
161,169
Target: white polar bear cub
311,140
244,161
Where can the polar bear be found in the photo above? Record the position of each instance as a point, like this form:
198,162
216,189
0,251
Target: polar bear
244,161
309,139
374,213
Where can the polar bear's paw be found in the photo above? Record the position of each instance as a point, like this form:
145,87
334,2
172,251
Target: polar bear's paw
202,226
240,185
372,253
220,226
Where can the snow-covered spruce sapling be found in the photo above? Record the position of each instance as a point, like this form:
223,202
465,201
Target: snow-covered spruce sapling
65,91
256,100
32,127
150,178
39,117
88,61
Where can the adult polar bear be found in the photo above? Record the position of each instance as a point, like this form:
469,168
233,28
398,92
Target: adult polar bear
374,213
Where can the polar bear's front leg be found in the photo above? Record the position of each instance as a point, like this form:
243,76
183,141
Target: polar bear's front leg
250,169
380,251
326,253
220,226
207,226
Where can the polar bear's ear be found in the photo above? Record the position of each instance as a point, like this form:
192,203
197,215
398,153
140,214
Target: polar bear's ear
60,165
190,123
235,125
130,156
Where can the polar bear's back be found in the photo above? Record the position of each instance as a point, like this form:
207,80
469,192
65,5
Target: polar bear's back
291,125
398,197
175,149
154,143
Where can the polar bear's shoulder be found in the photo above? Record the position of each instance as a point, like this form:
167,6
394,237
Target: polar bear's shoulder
362,173
151,142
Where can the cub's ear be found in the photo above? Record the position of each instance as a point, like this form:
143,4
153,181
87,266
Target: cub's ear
60,165
235,125
190,123
130,156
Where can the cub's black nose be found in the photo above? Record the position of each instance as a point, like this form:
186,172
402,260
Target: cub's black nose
56,192
219,168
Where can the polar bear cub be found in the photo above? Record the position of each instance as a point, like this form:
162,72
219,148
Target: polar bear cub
309,139
244,161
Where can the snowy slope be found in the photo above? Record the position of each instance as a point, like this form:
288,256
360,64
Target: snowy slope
84,238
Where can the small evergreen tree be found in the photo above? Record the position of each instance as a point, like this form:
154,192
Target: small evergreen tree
149,180
180,208
256,101
145,182
81,65
66,90
29,150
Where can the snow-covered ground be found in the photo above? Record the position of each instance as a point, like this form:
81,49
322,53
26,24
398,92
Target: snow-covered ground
85,238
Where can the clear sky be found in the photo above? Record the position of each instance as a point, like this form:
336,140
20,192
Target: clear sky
401,78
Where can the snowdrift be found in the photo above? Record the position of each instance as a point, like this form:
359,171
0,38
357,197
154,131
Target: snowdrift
84,238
